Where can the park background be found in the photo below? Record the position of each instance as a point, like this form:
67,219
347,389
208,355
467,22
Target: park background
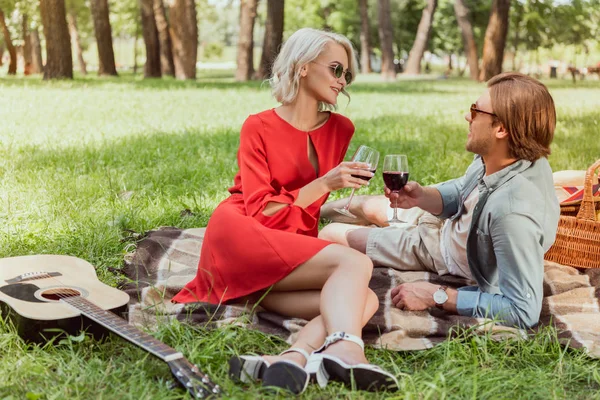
137,139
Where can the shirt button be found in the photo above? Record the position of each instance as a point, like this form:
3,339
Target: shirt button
528,295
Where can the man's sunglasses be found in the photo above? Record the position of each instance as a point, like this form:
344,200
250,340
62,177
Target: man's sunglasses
474,110
338,71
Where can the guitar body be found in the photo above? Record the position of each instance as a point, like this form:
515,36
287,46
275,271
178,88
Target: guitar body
48,292
31,287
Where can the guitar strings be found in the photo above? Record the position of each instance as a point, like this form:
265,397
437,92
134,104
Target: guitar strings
75,293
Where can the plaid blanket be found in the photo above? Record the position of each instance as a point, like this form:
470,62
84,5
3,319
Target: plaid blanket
166,259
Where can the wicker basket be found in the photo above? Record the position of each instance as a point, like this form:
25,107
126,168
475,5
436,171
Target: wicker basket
578,238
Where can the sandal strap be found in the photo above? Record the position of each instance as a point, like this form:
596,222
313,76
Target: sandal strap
337,336
296,350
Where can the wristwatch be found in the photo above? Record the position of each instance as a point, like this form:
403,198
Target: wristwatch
440,297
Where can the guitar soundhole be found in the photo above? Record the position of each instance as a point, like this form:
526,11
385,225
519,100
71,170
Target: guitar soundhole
55,294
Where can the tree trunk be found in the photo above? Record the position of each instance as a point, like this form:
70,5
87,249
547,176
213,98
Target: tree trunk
365,44
413,65
12,66
59,60
386,37
26,47
184,37
273,37
495,40
37,64
164,39
517,38
135,46
1,53
150,32
76,41
103,31
245,46
464,22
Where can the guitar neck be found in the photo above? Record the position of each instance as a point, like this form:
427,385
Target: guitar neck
119,326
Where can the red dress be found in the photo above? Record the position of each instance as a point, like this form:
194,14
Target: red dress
244,250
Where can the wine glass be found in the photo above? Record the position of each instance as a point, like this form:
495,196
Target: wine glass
366,155
395,176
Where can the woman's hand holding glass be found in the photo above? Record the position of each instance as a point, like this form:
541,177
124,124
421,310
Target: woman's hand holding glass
369,158
346,175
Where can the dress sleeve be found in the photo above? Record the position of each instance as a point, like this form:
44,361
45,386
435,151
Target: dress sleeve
257,190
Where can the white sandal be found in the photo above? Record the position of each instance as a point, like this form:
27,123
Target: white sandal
324,367
247,368
287,374
283,374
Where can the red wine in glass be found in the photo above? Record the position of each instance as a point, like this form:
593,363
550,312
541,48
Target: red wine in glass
368,156
395,180
395,176
366,178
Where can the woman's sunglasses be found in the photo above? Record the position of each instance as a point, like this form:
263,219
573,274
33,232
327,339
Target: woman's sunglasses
474,110
338,71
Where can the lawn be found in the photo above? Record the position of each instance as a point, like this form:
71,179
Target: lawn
83,163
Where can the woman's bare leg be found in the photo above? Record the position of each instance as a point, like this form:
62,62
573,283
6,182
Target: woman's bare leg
313,334
368,209
354,236
343,276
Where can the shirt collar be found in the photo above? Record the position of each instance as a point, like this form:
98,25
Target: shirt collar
497,179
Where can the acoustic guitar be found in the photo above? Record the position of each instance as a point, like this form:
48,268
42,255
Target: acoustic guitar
46,294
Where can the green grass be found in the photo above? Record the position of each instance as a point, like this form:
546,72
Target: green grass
83,162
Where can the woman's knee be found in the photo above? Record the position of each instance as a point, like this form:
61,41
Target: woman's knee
355,260
374,209
330,232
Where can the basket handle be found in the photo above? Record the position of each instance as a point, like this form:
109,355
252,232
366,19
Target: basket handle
587,209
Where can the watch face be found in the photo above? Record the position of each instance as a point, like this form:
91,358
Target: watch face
440,296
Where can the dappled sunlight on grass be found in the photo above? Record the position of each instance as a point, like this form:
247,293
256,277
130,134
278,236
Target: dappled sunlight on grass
84,163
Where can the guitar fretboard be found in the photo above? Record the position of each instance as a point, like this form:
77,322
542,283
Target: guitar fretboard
119,326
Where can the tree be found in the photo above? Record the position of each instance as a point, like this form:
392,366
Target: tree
273,37
245,67
59,61
184,36
152,68
365,43
413,65
103,31
12,66
27,54
76,40
470,46
386,37
164,38
495,40
37,65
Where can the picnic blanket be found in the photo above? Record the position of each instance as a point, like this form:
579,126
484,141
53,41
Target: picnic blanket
166,259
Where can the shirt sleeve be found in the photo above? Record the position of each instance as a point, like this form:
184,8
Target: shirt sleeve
517,241
256,184
450,192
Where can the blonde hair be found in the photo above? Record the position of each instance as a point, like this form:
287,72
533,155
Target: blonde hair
303,47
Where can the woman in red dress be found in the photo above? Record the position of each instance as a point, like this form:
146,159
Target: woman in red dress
263,238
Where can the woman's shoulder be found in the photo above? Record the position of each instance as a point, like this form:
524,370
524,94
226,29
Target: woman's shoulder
343,122
255,122
258,117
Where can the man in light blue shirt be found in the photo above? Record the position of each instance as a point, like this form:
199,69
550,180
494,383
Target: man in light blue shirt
492,225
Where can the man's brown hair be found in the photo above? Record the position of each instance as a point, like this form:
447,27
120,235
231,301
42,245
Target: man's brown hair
525,108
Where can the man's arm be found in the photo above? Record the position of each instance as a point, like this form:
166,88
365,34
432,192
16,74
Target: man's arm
520,258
